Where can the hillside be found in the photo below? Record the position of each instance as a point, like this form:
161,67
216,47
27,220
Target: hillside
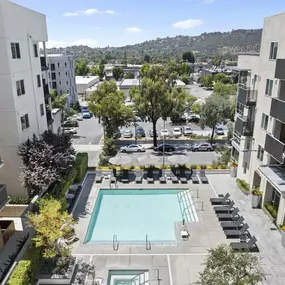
227,44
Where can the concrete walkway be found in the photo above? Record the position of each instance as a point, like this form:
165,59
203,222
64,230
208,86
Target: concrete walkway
268,237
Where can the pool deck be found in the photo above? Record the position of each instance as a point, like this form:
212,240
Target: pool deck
180,263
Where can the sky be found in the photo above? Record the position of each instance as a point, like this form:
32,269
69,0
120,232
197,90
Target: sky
100,23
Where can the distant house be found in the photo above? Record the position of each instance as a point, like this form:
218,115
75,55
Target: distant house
86,85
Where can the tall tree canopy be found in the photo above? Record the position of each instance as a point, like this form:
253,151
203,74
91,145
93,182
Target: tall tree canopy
188,56
224,90
81,68
118,73
129,75
223,78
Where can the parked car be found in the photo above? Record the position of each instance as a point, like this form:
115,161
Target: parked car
75,118
177,132
70,124
71,131
187,131
151,133
193,118
138,119
127,134
164,133
140,132
86,115
132,148
167,148
219,131
202,147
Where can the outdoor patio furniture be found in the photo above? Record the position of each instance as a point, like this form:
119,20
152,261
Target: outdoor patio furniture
182,176
173,178
203,177
233,224
184,235
125,176
113,179
188,174
220,200
162,176
194,177
229,216
149,176
237,233
99,176
244,245
225,208
138,176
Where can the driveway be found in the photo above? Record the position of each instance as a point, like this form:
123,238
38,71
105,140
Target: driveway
198,92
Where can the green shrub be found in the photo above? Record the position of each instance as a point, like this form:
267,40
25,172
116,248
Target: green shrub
19,200
24,272
256,191
243,185
81,164
193,166
203,166
271,209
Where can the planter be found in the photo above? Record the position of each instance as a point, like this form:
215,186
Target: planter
13,210
272,219
233,171
255,201
283,238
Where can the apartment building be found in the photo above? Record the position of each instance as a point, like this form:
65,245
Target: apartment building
61,76
259,133
22,108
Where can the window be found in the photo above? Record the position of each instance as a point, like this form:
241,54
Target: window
25,122
65,64
50,85
53,76
240,108
67,83
264,122
59,74
66,74
58,65
39,80
54,85
49,75
36,54
20,87
67,91
275,199
15,49
268,87
260,153
60,91
42,111
52,66
273,50
59,82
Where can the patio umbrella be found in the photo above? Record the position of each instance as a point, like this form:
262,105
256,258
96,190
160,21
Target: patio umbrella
120,160
178,159
148,159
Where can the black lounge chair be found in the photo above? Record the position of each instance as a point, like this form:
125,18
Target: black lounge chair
138,176
233,224
149,176
194,177
244,245
174,178
224,209
99,176
125,176
162,176
237,233
234,216
220,200
182,176
203,177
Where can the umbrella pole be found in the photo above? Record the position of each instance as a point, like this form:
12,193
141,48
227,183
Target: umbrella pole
163,145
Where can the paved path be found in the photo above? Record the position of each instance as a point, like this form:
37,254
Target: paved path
268,239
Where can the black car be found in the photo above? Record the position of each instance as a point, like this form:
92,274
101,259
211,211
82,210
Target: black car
140,132
167,148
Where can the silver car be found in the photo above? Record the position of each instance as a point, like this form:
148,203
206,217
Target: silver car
202,147
127,134
132,148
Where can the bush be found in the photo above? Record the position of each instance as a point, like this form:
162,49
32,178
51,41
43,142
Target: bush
256,191
193,166
243,185
24,272
272,211
19,200
70,124
81,164
203,166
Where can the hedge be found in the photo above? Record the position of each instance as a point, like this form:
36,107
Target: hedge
81,164
242,185
24,272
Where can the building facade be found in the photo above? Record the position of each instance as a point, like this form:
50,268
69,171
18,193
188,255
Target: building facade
86,85
22,108
259,133
61,76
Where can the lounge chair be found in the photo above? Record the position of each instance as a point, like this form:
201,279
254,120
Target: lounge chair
188,174
149,176
233,224
113,179
99,176
220,200
234,216
182,176
125,176
244,245
138,176
225,208
203,177
237,233
194,177
174,178
162,176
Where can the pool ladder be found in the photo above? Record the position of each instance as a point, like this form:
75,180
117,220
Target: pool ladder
115,243
147,243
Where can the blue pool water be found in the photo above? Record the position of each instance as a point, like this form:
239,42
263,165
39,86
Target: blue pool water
131,214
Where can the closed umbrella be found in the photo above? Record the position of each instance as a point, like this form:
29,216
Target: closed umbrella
120,160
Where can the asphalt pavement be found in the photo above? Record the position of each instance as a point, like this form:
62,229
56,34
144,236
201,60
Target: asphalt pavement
198,92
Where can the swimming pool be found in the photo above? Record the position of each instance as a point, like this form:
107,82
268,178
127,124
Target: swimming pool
131,214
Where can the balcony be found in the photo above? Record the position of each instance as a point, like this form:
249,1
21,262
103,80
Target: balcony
277,109
3,196
246,96
49,117
44,64
274,147
243,126
280,69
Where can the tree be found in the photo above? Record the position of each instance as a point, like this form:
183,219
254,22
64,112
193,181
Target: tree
101,70
188,56
230,127
144,70
217,61
196,108
129,75
224,90
223,266
108,104
223,78
147,58
81,68
52,227
60,103
207,81
118,73
185,78
185,69
191,100
53,94
94,71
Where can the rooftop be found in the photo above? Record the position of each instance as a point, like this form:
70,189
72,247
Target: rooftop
130,82
85,79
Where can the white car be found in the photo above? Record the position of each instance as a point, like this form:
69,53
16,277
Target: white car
71,131
75,118
127,134
132,148
187,131
177,132
164,133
